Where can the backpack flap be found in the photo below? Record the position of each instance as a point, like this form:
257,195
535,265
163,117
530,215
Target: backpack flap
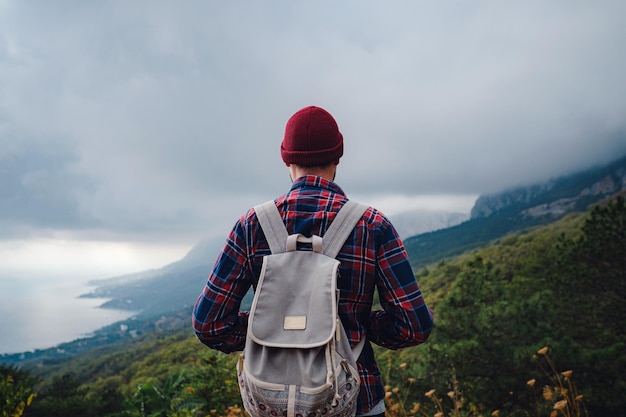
290,312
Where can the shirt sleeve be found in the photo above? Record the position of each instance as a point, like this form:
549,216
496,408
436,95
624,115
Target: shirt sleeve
405,319
216,318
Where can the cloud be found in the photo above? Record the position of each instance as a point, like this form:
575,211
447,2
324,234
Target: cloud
150,120
38,187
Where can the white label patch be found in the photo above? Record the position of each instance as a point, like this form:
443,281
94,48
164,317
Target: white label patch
294,323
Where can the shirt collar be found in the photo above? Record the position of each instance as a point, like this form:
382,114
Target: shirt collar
314,181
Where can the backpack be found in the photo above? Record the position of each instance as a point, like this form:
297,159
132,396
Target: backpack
297,359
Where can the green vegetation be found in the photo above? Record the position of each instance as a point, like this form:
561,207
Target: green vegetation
499,310
561,286
16,390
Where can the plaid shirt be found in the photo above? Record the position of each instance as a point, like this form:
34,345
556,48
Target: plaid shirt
373,258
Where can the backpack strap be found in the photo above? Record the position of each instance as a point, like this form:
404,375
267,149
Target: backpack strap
334,238
273,226
342,226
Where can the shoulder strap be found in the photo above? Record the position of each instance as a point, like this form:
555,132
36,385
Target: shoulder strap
273,226
334,238
342,226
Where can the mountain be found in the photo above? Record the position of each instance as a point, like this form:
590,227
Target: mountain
521,208
558,196
161,291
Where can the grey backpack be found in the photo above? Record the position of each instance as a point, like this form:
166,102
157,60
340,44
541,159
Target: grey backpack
297,360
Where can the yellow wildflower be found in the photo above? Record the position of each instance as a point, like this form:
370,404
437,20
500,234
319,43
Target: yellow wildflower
415,409
403,366
411,380
531,382
387,394
566,374
496,413
430,393
559,405
451,394
547,393
579,397
439,414
395,390
543,351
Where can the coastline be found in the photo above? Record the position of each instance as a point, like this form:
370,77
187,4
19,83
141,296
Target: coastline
40,314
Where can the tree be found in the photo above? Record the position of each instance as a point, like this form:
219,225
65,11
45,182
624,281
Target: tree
487,328
64,397
590,277
17,390
169,398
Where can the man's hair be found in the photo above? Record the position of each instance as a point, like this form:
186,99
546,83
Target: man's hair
315,167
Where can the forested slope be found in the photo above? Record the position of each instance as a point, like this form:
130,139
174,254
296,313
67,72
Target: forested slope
560,287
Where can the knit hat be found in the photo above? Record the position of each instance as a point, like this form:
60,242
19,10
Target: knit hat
312,138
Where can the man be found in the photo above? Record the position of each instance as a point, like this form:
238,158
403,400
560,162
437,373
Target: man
372,259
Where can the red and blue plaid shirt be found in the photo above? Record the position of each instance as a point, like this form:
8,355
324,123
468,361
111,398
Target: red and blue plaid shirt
373,258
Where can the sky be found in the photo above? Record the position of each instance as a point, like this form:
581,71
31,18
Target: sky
129,131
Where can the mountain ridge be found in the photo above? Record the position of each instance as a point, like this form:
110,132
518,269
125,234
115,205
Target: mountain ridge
518,209
595,183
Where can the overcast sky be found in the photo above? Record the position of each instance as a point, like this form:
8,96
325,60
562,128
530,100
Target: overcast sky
129,130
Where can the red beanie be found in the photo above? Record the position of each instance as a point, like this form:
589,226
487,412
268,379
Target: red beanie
312,138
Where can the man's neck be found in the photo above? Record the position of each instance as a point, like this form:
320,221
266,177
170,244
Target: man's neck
328,173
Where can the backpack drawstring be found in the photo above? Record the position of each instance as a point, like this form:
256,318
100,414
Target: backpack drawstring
331,376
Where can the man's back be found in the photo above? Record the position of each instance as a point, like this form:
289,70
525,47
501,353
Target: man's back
371,259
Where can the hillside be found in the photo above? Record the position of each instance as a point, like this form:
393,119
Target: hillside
495,308
561,285
494,216
162,291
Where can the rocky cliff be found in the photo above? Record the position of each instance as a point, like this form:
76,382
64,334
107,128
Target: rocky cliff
558,196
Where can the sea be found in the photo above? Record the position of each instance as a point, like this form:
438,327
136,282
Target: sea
42,311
